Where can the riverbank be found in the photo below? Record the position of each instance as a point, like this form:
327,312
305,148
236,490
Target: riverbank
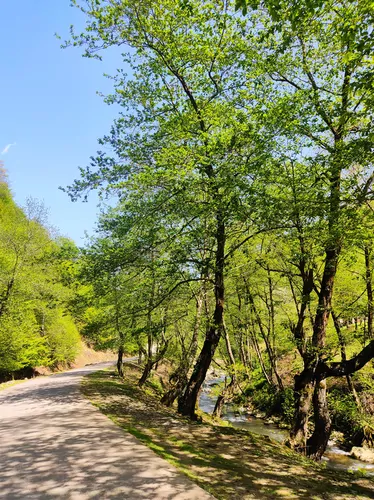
229,463
336,457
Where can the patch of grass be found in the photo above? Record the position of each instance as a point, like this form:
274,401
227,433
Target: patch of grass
153,386
6,385
229,463
209,419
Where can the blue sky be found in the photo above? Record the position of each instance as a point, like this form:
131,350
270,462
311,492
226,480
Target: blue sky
50,109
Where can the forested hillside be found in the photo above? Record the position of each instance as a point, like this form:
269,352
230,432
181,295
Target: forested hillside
36,328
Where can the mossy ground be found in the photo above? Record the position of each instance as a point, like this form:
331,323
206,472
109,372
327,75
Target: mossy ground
229,463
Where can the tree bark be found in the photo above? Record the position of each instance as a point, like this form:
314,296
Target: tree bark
120,361
305,383
259,357
343,368
317,443
308,378
146,372
175,391
151,362
303,390
187,402
121,336
224,397
369,290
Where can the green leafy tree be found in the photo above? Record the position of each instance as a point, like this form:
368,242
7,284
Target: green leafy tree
185,138
34,327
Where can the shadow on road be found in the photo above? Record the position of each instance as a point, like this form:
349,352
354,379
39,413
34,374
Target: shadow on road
55,445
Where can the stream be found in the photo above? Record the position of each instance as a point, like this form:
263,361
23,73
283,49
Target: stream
335,457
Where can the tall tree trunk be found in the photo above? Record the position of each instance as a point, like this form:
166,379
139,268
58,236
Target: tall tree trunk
187,402
305,383
120,361
146,372
260,358
150,362
317,443
303,389
225,395
239,337
248,351
121,336
307,380
369,290
272,335
319,439
303,386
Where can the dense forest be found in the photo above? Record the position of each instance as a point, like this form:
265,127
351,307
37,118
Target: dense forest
241,239
36,328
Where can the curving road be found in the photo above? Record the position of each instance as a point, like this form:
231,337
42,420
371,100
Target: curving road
55,444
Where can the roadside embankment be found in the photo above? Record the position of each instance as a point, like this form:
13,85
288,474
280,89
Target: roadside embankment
229,463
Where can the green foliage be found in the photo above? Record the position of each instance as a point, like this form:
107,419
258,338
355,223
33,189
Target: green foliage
345,412
62,338
270,401
357,427
287,404
258,126
20,343
34,328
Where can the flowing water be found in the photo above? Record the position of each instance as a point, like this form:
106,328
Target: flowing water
335,457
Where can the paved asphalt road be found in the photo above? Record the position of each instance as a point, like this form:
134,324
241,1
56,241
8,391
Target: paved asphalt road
55,444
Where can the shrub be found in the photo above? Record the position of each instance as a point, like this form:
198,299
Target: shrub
270,401
357,427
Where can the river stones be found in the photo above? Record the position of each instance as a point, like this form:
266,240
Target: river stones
364,454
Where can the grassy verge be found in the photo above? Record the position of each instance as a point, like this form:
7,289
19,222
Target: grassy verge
6,385
229,463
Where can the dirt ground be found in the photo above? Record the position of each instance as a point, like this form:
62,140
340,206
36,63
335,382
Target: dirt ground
229,463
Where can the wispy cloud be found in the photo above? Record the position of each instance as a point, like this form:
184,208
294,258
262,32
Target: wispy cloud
7,147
